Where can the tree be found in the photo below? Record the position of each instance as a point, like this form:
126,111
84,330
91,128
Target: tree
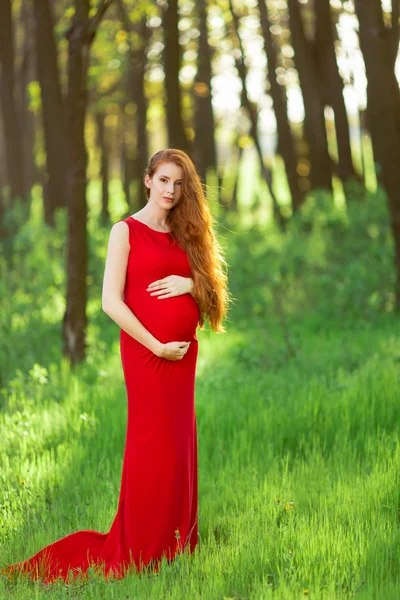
52,109
251,110
332,84
12,134
172,63
286,146
80,37
103,145
204,143
383,109
25,74
137,59
314,120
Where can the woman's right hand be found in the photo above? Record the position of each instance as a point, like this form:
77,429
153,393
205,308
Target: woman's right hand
174,350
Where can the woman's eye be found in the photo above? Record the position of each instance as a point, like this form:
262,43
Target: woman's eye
164,181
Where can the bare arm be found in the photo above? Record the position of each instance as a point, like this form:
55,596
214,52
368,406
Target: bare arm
113,287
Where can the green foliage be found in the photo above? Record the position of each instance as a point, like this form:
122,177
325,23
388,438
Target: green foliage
333,263
297,409
348,272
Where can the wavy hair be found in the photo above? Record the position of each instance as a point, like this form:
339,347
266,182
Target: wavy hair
192,225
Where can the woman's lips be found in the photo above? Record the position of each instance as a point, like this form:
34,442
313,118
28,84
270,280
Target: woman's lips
168,199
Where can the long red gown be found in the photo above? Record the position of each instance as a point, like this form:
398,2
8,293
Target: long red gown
158,503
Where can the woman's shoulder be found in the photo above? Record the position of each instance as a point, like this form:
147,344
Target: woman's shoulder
123,229
121,225
127,220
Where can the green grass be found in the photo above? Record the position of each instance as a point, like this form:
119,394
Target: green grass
298,424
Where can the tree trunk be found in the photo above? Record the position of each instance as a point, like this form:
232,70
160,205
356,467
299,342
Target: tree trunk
333,85
102,143
12,133
138,60
3,167
26,74
126,168
172,62
234,203
136,93
80,37
251,110
362,132
314,120
141,99
204,143
383,110
52,107
286,146
395,37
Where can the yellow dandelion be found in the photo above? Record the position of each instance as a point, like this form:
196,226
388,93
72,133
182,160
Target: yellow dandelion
289,505
306,592
177,534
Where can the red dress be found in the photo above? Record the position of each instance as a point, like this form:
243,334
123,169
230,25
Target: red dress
158,503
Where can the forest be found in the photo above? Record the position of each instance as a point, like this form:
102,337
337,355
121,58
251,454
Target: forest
290,110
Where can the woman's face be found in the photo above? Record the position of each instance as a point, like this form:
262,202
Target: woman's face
166,185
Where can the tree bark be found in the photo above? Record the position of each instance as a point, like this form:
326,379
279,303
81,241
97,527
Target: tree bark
239,155
135,84
80,37
12,133
172,62
333,85
251,110
126,166
286,146
383,110
139,61
314,120
204,143
26,74
102,143
395,30
52,107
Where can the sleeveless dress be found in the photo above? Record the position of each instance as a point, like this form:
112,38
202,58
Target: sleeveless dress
157,512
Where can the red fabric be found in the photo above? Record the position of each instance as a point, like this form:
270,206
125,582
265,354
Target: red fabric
158,503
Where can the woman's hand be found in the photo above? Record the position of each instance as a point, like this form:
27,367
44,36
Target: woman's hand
174,350
173,285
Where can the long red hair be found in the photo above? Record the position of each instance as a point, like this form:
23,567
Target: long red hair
191,223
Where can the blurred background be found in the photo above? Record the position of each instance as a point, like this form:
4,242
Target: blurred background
290,110
273,100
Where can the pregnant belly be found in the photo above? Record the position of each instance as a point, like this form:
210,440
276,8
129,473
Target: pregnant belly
168,319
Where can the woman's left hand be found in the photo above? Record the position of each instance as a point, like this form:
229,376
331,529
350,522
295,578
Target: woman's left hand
173,285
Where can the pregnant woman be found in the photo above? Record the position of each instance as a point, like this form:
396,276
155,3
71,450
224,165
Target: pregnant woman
165,273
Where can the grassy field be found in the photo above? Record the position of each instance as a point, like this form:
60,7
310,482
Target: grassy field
297,414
